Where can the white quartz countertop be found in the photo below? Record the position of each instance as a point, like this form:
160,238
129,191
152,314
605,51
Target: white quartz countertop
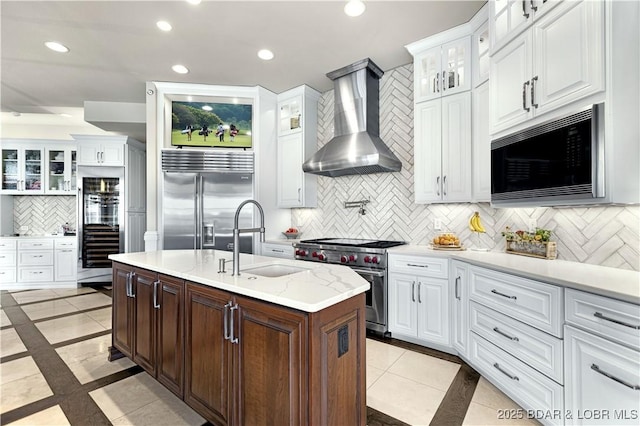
612,282
312,290
22,237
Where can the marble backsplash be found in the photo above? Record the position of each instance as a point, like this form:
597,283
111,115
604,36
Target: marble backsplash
43,214
607,236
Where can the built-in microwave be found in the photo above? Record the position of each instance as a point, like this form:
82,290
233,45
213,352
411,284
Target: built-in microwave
559,162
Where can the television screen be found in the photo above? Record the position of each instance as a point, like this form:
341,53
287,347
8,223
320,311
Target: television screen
210,124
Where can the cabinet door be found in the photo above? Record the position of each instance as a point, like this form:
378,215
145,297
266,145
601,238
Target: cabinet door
427,148
122,312
170,339
403,314
428,77
112,155
433,310
480,52
509,83
569,59
33,171
290,174
145,321
208,363
507,19
56,181
290,116
460,307
600,376
272,362
66,264
481,144
89,153
456,147
456,66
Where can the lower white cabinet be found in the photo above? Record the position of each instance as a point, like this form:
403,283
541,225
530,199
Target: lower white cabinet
66,260
284,250
419,302
602,380
459,280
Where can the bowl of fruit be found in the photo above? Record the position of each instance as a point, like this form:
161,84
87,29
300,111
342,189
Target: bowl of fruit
446,240
291,233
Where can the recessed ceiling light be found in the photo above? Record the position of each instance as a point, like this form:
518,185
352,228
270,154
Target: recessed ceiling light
164,25
354,8
189,98
206,108
265,54
180,69
194,1
55,46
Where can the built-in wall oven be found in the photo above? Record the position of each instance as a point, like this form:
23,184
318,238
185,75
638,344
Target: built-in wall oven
368,258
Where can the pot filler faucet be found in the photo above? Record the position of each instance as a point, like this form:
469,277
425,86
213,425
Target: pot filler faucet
237,232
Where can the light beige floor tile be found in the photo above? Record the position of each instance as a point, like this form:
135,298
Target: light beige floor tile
10,342
382,355
4,319
88,301
490,396
21,384
33,296
373,374
88,359
51,417
66,328
65,292
161,412
102,316
478,414
125,396
404,399
47,309
425,369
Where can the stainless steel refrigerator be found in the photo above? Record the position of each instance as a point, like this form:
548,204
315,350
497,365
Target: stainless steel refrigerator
198,207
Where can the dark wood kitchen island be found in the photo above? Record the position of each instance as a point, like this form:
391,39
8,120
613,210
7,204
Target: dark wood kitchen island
247,350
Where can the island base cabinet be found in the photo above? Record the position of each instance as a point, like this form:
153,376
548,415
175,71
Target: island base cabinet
122,313
170,337
602,380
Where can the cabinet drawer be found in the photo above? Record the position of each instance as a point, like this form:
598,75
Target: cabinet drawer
7,245
532,346
34,274
29,258
7,258
600,374
35,244
534,303
610,318
529,388
7,275
277,250
423,266
65,243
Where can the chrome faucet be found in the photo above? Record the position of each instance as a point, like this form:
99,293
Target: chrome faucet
237,232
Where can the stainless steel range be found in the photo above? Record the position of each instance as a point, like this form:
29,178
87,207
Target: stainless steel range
366,257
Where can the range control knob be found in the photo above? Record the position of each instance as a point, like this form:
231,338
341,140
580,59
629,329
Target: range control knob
343,259
302,253
367,259
321,256
314,254
352,258
375,259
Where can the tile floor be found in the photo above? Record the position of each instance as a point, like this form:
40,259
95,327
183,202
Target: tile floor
54,371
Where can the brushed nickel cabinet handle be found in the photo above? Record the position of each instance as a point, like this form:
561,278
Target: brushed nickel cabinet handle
156,305
419,297
595,368
533,92
524,96
232,338
456,288
615,321
512,377
497,330
227,336
533,6
413,291
438,186
524,9
494,291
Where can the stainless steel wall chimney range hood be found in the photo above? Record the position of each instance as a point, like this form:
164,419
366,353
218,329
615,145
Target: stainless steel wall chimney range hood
356,147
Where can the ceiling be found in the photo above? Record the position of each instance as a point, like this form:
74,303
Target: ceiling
115,46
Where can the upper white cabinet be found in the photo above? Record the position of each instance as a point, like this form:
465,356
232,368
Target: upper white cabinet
442,149
480,52
558,60
22,168
442,70
61,170
508,18
297,140
101,152
481,146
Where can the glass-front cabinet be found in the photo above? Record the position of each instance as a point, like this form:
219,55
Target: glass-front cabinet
61,171
22,169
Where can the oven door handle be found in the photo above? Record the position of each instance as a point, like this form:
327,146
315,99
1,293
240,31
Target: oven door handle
366,272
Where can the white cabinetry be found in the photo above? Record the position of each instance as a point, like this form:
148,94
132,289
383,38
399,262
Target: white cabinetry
459,281
100,152
35,260
481,146
61,170
284,250
66,259
602,359
419,300
297,139
8,261
508,18
442,149
557,61
22,168
480,52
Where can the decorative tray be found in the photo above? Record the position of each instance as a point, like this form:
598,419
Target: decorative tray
447,247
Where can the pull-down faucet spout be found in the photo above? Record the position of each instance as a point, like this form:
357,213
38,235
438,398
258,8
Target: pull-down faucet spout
237,232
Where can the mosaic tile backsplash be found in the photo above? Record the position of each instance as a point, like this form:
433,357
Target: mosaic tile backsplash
43,214
608,236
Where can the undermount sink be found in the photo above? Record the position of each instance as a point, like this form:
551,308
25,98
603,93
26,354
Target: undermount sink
274,270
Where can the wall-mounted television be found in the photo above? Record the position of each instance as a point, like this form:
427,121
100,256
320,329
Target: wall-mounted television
211,124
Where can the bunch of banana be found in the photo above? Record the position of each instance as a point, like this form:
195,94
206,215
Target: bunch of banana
474,223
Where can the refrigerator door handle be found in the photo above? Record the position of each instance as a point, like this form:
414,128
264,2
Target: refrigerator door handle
209,235
196,213
201,210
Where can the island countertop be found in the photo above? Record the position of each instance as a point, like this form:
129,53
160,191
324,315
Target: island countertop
314,289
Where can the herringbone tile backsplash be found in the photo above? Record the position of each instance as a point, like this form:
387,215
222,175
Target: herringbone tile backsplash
607,236
43,214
